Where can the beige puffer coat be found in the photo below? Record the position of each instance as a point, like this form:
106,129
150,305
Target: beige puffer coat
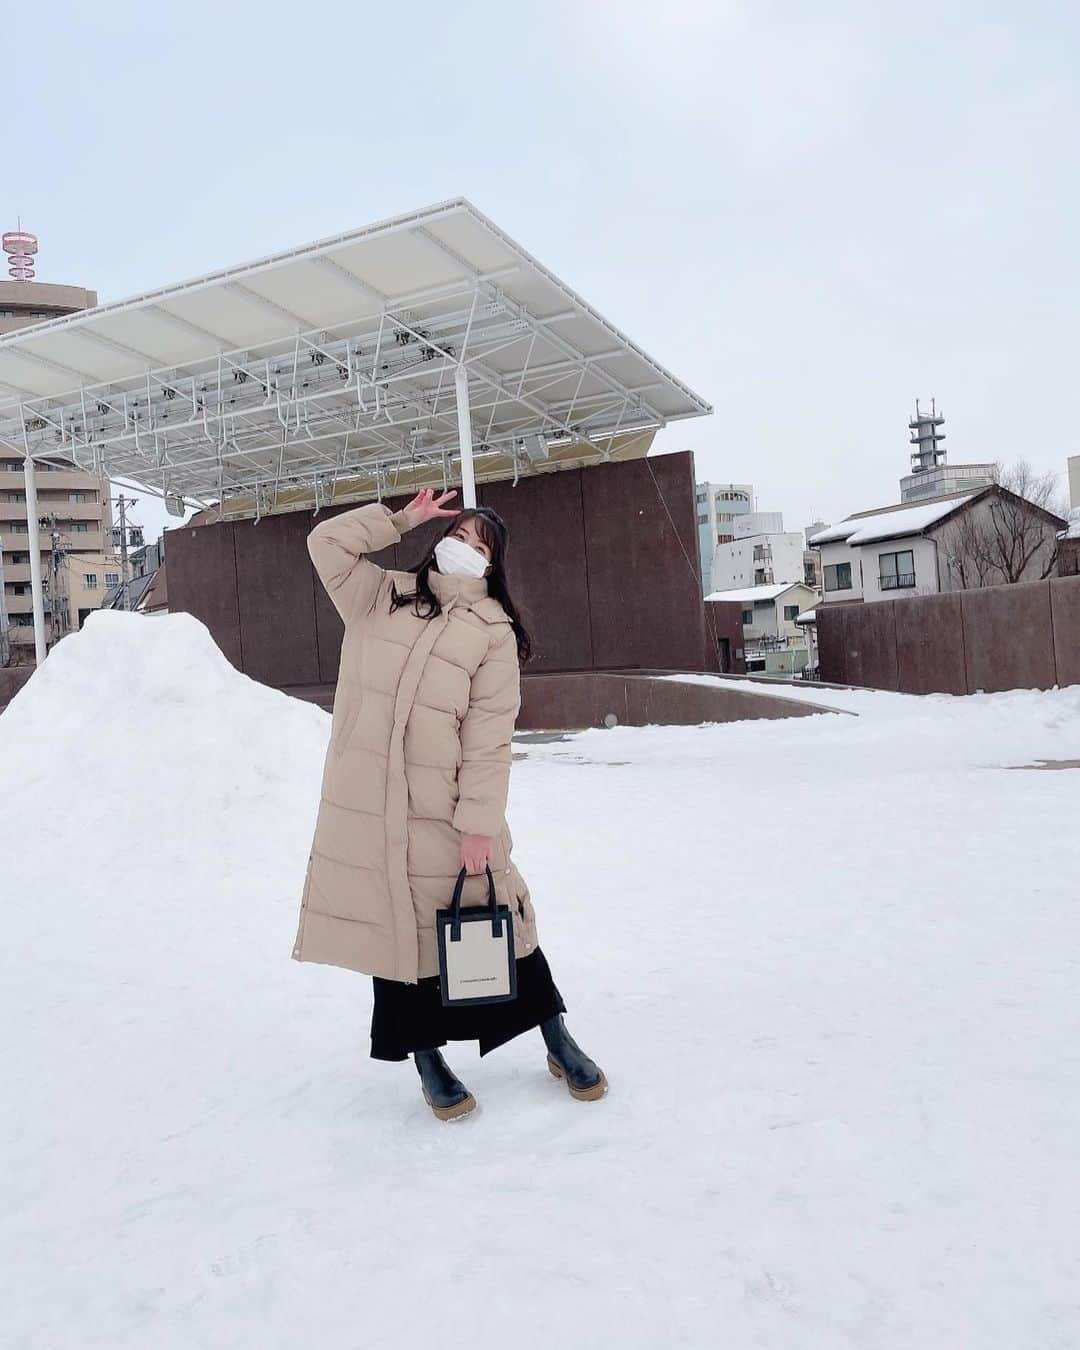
419,755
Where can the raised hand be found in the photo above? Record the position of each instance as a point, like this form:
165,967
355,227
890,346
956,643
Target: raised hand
426,506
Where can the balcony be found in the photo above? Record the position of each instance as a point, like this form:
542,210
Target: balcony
93,541
24,604
47,478
64,511
74,541
898,581
75,479
61,508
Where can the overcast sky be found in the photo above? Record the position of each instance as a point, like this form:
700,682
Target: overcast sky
811,214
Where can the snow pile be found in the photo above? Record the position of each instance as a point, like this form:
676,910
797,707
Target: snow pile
131,720
829,965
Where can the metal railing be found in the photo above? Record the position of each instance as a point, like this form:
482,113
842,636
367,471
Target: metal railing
897,581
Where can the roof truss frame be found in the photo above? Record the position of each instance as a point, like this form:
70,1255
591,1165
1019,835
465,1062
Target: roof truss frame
355,397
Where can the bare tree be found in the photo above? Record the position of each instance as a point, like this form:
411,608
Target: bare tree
1016,530
1017,534
966,551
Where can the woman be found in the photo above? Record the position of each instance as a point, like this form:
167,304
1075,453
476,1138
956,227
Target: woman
414,788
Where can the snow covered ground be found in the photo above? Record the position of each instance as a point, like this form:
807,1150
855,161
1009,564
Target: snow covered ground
830,965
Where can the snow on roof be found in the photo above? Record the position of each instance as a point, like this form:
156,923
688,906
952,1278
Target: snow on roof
749,593
888,523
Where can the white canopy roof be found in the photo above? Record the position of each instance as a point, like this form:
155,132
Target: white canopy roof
333,364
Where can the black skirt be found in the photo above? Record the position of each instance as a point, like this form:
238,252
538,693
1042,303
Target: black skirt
409,1017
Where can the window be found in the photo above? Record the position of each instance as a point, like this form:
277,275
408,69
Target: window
79,527
78,496
896,570
748,616
791,613
16,496
112,578
703,519
90,581
838,577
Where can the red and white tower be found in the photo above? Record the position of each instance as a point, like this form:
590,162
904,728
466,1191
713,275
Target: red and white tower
21,249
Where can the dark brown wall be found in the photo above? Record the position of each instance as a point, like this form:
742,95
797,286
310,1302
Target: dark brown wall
202,569
277,615
644,573
603,564
832,639
870,646
1008,640
584,699
1065,614
723,619
546,518
930,645
1025,636
12,679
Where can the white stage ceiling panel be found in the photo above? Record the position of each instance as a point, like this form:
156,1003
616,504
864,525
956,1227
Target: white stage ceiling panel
335,363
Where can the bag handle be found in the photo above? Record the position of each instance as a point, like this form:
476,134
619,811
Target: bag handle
455,906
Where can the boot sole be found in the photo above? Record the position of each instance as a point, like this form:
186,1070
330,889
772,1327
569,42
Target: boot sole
455,1112
589,1094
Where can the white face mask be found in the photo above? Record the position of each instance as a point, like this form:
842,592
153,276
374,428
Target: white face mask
458,559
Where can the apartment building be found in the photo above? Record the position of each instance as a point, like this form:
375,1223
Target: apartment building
77,558
760,553
718,507
74,511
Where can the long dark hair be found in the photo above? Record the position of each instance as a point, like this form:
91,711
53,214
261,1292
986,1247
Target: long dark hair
491,528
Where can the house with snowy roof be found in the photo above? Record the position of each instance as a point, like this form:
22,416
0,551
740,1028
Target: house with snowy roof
772,641
989,537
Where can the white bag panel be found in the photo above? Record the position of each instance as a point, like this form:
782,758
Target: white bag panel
478,966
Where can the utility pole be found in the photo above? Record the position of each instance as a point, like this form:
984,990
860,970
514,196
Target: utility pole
124,502
58,591
55,593
123,555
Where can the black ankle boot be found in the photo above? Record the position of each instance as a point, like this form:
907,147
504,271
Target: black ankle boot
444,1092
566,1059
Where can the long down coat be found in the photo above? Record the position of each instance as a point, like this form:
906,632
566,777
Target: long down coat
419,755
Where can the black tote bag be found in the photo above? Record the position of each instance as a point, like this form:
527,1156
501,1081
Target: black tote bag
476,950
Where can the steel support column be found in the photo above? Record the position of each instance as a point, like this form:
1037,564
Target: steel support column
468,482
34,544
